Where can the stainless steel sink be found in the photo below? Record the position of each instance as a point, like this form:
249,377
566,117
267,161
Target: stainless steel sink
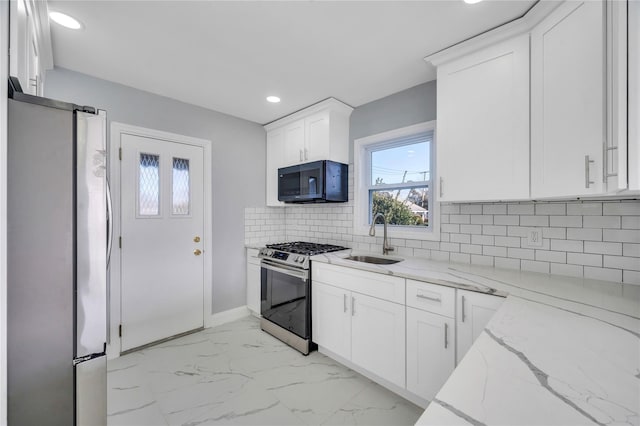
374,260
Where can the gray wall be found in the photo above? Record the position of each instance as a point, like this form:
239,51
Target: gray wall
238,162
411,106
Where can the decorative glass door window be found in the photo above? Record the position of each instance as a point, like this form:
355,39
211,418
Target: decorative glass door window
149,185
181,189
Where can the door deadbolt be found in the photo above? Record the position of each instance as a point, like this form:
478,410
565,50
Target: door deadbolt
196,239
197,252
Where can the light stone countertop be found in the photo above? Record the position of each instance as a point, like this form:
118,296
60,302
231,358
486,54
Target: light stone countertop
559,351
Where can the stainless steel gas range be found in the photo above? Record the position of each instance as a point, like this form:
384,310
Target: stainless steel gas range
285,296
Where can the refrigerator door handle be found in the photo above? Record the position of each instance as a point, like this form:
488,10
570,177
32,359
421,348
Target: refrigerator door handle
109,223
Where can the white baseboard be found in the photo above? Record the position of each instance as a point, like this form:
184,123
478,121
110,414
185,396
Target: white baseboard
227,316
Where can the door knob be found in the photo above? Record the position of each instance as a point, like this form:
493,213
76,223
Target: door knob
196,239
197,252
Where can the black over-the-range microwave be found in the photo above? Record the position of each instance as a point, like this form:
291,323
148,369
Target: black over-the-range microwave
317,182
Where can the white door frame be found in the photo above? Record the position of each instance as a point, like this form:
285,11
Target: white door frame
115,279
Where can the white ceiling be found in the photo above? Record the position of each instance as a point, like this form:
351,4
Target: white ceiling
229,55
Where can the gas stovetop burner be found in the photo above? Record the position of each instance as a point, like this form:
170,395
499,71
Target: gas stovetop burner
308,249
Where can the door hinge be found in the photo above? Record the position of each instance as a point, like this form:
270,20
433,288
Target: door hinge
119,242
120,153
120,330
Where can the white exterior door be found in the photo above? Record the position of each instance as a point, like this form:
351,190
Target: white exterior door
162,217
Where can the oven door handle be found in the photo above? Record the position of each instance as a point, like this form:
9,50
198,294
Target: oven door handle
300,273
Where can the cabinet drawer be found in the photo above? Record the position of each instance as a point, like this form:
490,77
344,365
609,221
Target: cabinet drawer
432,298
252,256
382,286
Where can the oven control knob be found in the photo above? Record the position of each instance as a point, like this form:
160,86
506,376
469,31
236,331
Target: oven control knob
301,259
269,252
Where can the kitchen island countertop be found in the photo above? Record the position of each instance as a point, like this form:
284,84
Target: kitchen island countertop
560,350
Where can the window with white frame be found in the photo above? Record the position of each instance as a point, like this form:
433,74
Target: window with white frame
395,176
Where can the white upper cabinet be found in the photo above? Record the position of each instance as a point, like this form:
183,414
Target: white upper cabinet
634,95
275,160
320,132
30,51
568,103
483,124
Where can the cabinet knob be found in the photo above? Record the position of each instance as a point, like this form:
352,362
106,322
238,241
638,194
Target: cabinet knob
197,252
196,239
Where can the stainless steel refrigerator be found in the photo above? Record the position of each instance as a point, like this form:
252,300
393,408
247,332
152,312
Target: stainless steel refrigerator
57,235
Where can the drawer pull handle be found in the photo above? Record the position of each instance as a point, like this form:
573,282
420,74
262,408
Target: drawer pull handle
344,299
434,299
446,337
353,306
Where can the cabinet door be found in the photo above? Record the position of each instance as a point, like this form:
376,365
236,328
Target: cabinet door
430,352
253,281
317,137
275,159
474,310
378,337
331,319
483,124
567,101
294,143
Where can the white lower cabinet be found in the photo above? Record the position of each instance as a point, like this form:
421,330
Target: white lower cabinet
474,310
253,281
378,337
430,352
331,322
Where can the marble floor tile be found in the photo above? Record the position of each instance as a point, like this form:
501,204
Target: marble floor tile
237,374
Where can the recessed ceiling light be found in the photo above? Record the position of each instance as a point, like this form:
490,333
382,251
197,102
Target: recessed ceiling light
472,1
273,99
65,20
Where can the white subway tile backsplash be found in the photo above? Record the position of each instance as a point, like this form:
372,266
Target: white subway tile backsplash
630,222
623,208
598,240
488,209
584,259
494,230
584,234
567,245
460,238
623,236
506,263
494,251
565,221
507,241
620,262
584,209
631,250
534,220
471,208
527,208
601,221
520,253
506,220
556,209
471,229
487,240
482,220
614,249
551,256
